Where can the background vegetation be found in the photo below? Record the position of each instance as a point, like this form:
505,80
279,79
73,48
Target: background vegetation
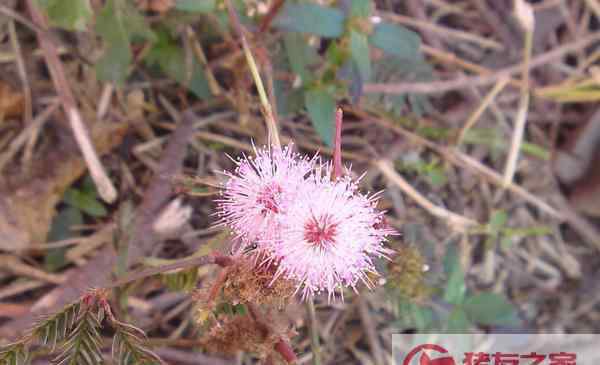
480,126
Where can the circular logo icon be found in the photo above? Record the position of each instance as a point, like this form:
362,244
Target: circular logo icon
425,358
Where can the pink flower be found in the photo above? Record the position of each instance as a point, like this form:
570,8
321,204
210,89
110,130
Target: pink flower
328,236
260,189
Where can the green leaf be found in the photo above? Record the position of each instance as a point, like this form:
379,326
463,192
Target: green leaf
170,58
396,40
311,18
458,321
240,309
360,8
88,203
497,221
413,315
289,100
301,56
455,288
359,49
69,14
490,309
119,20
196,6
321,109
114,64
61,230
118,23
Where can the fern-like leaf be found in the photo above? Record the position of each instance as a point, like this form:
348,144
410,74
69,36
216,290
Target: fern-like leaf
14,354
82,346
55,328
127,347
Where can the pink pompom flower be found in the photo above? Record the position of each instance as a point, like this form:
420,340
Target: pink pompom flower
260,189
329,236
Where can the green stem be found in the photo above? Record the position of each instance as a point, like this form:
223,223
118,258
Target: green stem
314,332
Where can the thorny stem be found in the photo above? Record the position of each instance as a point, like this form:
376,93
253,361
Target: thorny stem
337,152
264,100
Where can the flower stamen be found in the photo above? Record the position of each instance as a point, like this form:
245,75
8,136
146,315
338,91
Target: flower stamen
320,232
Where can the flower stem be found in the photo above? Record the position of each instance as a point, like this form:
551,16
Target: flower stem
314,331
337,140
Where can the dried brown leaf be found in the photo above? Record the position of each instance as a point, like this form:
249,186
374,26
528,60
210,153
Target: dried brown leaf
28,198
12,103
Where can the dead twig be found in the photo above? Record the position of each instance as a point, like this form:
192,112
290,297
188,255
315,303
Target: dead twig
28,117
106,189
441,30
525,15
25,135
12,264
454,220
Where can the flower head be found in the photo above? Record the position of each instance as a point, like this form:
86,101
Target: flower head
260,189
328,237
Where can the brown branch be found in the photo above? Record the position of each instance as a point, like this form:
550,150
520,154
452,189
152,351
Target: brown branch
183,264
160,190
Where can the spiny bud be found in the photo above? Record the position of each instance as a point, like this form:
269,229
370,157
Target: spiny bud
406,273
239,333
249,282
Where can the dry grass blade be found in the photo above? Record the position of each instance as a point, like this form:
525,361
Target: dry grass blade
264,100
